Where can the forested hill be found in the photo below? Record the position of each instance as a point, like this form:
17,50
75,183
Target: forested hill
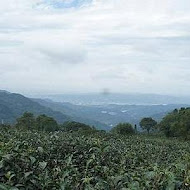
74,113
14,105
111,114
103,117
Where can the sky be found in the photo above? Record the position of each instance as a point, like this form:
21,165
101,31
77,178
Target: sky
81,46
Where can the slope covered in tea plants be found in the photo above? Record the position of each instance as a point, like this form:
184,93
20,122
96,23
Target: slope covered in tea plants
37,160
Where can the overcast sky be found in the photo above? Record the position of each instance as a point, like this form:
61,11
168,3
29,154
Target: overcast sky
70,46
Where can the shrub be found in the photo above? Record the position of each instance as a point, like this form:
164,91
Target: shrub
38,160
123,129
75,126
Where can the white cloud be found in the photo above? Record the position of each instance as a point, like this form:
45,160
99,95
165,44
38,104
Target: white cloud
123,45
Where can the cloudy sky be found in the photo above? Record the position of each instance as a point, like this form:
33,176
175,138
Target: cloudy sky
71,46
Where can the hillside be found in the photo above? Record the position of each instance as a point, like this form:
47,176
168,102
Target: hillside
111,114
74,113
14,105
101,116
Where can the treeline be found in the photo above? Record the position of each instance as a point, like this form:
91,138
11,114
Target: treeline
174,124
46,123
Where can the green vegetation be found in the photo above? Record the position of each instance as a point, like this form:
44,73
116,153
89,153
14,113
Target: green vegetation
14,105
46,123
62,160
123,129
41,123
177,123
148,124
75,126
39,153
26,121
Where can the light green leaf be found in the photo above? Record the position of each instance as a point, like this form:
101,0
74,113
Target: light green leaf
43,165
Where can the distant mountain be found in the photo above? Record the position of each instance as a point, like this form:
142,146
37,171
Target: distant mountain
74,113
111,110
100,99
14,105
111,114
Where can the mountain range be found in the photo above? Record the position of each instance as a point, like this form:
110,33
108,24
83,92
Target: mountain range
117,98
112,114
13,105
102,111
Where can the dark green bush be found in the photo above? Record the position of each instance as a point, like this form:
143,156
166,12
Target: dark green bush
46,123
123,129
75,126
42,122
176,123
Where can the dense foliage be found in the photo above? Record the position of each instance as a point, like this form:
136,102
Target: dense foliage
41,123
62,160
177,123
45,123
148,124
27,121
123,129
74,126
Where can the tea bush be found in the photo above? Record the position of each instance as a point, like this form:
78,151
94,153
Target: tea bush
62,160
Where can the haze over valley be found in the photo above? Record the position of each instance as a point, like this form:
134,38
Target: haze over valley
99,110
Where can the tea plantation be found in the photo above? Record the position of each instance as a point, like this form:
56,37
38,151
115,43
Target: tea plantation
63,160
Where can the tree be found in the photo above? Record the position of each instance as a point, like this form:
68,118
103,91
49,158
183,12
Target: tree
123,129
27,121
148,124
46,123
176,123
135,128
75,126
